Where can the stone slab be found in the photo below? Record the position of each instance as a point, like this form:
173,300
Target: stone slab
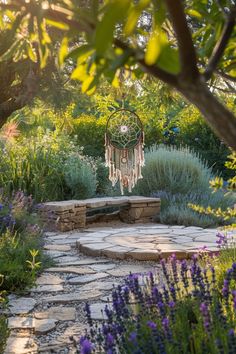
17,344
63,248
76,270
44,326
47,288
20,322
83,279
58,313
22,305
49,279
67,298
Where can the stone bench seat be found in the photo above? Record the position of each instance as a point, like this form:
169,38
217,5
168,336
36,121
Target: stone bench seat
71,214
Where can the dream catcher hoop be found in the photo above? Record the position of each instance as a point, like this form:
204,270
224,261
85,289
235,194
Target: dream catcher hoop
124,142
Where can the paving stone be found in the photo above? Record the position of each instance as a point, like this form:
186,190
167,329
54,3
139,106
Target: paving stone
72,297
87,278
102,267
64,241
206,238
22,305
182,239
77,270
63,248
49,279
124,270
54,254
98,285
68,259
96,248
86,261
117,252
147,255
20,322
44,326
47,288
97,311
58,313
18,344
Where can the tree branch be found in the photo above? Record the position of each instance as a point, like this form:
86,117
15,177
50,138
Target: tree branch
15,103
187,52
159,73
226,76
221,44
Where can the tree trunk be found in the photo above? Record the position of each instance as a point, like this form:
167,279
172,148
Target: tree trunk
221,120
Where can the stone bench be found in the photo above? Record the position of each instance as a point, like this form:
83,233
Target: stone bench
71,214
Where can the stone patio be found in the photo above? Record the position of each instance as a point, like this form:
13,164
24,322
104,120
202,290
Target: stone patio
148,242
50,317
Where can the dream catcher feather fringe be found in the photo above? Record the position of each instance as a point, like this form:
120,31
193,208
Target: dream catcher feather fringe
124,142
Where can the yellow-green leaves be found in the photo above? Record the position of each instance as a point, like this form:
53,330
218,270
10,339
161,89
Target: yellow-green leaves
133,16
194,13
154,46
63,51
115,11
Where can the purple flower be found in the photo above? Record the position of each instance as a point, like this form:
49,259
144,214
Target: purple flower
151,324
133,337
86,346
165,323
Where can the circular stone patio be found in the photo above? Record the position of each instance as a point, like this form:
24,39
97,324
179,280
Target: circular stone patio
145,242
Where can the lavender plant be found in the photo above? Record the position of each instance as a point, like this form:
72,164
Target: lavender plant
177,309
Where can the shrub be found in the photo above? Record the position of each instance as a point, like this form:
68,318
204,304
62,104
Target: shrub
180,177
89,131
173,170
36,165
3,321
177,310
20,244
80,177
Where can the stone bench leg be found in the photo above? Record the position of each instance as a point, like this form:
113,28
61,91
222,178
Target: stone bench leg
63,219
140,212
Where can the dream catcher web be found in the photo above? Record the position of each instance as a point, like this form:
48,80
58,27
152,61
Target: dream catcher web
124,142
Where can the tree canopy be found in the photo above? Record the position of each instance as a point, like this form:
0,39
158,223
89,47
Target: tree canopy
186,44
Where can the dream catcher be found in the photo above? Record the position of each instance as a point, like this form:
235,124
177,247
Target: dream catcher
124,141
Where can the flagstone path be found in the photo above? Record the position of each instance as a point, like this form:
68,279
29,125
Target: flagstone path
50,318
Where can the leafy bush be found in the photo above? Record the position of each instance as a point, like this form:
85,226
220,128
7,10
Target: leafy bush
89,132
80,177
3,321
180,177
187,314
36,165
20,244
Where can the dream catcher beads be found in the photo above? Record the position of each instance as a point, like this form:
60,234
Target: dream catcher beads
124,142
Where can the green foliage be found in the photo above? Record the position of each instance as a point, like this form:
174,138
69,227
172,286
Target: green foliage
14,253
36,165
80,177
3,320
173,170
180,177
229,214
101,26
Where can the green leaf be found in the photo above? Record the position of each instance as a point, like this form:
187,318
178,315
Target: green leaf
60,25
11,51
169,60
154,46
134,15
115,12
194,13
82,51
63,51
31,53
